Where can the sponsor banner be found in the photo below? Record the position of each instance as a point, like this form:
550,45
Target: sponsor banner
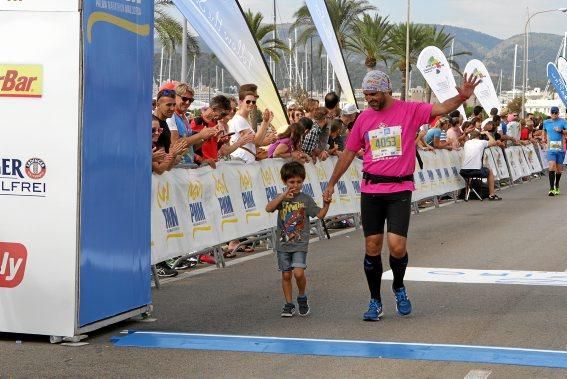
435,68
13,258
557,81
485,91
532,158
518,162
500,162
223,27
24,80
115,180
321,19
543,157
23,177
43,5
195,209
562,68
39,74
457,275
488,161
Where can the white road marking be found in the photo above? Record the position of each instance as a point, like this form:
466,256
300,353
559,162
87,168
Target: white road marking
457,275
478,374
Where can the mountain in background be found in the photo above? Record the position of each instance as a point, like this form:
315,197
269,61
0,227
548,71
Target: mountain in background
495,53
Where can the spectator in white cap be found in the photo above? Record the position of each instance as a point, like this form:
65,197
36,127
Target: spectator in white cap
386,131
348,115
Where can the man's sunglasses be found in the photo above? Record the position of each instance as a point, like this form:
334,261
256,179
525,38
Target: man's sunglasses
187,99
554,112
253,102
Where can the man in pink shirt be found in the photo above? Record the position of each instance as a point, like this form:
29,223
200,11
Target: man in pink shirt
386,131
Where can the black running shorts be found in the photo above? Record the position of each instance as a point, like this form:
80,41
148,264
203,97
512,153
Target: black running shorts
376,208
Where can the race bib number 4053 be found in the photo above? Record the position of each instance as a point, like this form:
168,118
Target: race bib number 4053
386,142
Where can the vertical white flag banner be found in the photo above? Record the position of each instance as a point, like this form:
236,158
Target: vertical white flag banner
562,68
485,91
320,16
221,24
435,68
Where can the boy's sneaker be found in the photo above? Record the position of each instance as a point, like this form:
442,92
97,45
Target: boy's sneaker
374,311
556,191
288,310
303,305
163,271
403,305
551,192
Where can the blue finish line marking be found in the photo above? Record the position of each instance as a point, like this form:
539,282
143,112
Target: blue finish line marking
345,348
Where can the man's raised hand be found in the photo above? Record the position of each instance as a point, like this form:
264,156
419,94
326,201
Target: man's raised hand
468,85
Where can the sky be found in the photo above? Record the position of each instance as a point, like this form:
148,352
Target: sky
499,18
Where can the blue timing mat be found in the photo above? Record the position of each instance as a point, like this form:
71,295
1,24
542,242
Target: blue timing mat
343,348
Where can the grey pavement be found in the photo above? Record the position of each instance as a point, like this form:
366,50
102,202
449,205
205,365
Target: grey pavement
525,231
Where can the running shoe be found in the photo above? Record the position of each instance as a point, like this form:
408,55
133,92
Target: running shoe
164,271
403,305
374,311
557,192
551,192
303,305
288,310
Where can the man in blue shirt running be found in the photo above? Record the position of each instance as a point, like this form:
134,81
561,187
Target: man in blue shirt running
553,131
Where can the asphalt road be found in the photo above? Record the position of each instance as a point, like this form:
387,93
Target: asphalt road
525,231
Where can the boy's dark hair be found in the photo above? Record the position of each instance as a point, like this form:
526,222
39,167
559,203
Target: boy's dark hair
306,122
331,100
477,110
336,126
291,170
455,113
220,102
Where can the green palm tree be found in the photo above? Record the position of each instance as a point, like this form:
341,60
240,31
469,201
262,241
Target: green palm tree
343,14
371,38
169,31
272,47
419,39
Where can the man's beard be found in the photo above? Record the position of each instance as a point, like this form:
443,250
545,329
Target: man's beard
377,105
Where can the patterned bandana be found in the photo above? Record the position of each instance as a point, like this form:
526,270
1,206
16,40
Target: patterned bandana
376,81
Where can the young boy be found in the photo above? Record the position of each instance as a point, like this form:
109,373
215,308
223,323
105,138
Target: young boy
294,209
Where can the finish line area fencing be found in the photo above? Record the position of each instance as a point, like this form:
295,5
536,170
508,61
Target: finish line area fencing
199,210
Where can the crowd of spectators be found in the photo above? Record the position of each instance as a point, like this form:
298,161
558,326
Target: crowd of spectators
233,129
451,131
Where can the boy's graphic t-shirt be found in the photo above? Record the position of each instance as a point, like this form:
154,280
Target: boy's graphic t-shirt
293,223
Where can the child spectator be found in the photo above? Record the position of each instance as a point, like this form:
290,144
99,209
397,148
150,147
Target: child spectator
336,141
294,209
288,144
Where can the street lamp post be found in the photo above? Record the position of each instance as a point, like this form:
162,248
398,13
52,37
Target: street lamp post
525,76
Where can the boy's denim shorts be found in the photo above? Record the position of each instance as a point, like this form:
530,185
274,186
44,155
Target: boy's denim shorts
289,261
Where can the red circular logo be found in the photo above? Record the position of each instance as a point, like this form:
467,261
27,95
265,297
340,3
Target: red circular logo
35,168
